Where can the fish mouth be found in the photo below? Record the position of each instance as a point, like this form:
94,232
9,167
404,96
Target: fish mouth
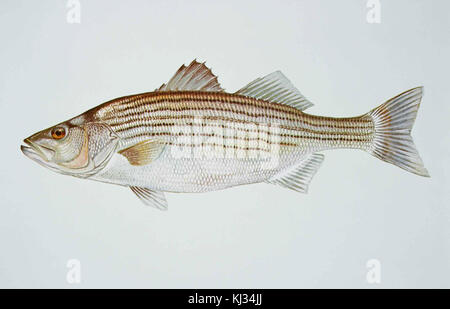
36,152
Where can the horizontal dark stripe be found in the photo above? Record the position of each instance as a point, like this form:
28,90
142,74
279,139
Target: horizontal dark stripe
213,97
199,96
225,146
321,122
317,139
223,126
189,98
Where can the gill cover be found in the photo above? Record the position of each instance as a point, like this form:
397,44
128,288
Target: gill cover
99,144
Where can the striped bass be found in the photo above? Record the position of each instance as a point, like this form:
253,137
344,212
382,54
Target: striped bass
192,136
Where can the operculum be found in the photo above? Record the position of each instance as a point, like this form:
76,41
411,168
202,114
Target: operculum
103,142
99,144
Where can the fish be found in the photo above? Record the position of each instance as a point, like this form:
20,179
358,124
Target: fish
190,135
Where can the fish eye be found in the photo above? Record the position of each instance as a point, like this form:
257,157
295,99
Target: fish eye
58,132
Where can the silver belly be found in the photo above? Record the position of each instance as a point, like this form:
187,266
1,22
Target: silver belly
201,174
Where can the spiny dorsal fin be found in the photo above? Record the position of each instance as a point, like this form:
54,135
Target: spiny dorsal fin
275,88
150,198
299,177
196,76
143,152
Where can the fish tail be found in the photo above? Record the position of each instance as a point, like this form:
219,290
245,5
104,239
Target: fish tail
392,141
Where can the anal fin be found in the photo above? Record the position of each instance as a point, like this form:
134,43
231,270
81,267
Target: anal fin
151,198
299,176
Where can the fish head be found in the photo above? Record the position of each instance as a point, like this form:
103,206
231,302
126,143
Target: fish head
75,147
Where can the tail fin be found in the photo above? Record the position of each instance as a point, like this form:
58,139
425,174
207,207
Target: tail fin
392,140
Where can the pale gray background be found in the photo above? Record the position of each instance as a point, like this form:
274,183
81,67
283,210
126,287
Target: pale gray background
256,236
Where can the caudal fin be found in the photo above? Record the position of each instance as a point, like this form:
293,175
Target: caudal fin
393,122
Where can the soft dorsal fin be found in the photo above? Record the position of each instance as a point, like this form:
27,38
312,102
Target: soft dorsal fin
275,88
151,198
143,152
299,177
195,76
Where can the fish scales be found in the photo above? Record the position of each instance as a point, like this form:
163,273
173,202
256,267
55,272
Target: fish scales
190,135
155,114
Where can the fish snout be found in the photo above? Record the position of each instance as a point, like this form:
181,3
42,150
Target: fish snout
33,150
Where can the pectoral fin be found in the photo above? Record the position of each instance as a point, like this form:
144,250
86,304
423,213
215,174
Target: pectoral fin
143,152
151,198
